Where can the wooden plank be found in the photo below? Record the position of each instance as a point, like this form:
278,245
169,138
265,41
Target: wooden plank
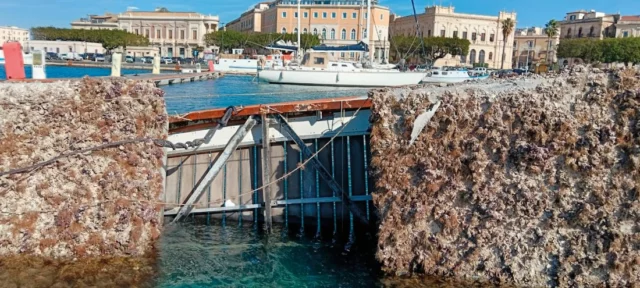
213,171
266,173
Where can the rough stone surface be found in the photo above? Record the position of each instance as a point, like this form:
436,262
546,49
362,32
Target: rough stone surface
93,204
533,182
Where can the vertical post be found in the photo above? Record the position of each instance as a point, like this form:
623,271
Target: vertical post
266,172
156,65
116,64
299,31
369,42
37,67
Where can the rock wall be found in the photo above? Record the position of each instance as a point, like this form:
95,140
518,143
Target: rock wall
97,203
532,182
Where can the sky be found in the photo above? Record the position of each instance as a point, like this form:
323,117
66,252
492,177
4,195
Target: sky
60,13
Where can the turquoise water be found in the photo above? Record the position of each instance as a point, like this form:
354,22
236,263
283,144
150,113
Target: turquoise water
74,72
235,90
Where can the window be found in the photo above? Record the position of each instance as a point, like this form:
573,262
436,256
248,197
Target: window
472,56
284,30
474,36
284,14
333,33
343,35
304,31
353,34
572,17
490,55
381,16
57,50
354,15
306,14
463,59
170,34
324,33
569,32
342,54
344,15
324,14
580,32
195,34
442,33
315,31
146,33
333,15
481,56
366,15
364,33
455,34
492,38
182,34
625,34
591,32
352,54
315,14
318,60
295,14
295,30
428,33
483,36
45,49
157,33
137,31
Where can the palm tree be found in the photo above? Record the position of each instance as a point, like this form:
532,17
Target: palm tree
551,29
507,28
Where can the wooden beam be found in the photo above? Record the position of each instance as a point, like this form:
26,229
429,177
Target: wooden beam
266,173
214,169
324,173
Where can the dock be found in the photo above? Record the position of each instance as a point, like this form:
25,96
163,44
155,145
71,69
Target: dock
177,78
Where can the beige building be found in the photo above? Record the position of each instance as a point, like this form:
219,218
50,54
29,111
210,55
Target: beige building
484,33
173,34
628,26
12,33
535,43
60,47
97,22
249,21
592,24
336,22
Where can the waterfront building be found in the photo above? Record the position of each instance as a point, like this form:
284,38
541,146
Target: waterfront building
592,24
534,42
628,26
14,34
483,31
172,34
60,47
250,20
108,21
336,22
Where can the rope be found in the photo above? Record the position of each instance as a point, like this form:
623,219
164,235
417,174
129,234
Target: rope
217,201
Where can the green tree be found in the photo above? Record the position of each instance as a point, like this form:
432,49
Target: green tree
110,39
507,28
551,30
439,47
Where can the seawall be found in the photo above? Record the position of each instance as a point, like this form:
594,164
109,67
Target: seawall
95,203
532,182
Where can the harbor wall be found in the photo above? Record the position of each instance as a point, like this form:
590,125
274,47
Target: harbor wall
102,202
532,182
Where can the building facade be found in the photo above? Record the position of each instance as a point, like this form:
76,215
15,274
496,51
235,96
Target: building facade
172,34
592,24
484,33
97,22
336,22
532,46
14,34
249,21
60,47
628,26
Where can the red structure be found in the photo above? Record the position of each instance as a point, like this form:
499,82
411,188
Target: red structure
210,65
13,62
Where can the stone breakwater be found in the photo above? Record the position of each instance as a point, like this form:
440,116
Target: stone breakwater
532,182
100,203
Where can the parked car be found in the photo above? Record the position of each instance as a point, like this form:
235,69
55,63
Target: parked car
89,56
146,59
166,60
51,56
99,58
520,71
129,59
506,73
177,60
478,71
71,56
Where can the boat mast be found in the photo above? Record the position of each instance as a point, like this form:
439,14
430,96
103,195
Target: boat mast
299,30
371,44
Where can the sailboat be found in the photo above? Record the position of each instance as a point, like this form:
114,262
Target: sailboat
319,67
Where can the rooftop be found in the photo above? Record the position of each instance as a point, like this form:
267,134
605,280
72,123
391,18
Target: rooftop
629,18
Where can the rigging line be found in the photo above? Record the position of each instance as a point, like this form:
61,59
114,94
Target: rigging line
415,16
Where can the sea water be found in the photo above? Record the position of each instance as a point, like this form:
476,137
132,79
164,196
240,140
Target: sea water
75,72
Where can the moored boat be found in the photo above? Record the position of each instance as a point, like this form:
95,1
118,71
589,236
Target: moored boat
451,76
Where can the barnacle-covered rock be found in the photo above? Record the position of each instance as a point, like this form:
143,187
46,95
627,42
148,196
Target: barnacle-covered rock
100,203
533,182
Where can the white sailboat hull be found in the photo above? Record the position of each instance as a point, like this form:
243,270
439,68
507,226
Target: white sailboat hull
341,78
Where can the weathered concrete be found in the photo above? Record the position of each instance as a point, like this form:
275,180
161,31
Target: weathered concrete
93,204
532,182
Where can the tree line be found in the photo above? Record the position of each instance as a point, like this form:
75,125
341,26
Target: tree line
609,50
110,39
227,40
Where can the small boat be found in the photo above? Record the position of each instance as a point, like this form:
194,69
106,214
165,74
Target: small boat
317,68
451,75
